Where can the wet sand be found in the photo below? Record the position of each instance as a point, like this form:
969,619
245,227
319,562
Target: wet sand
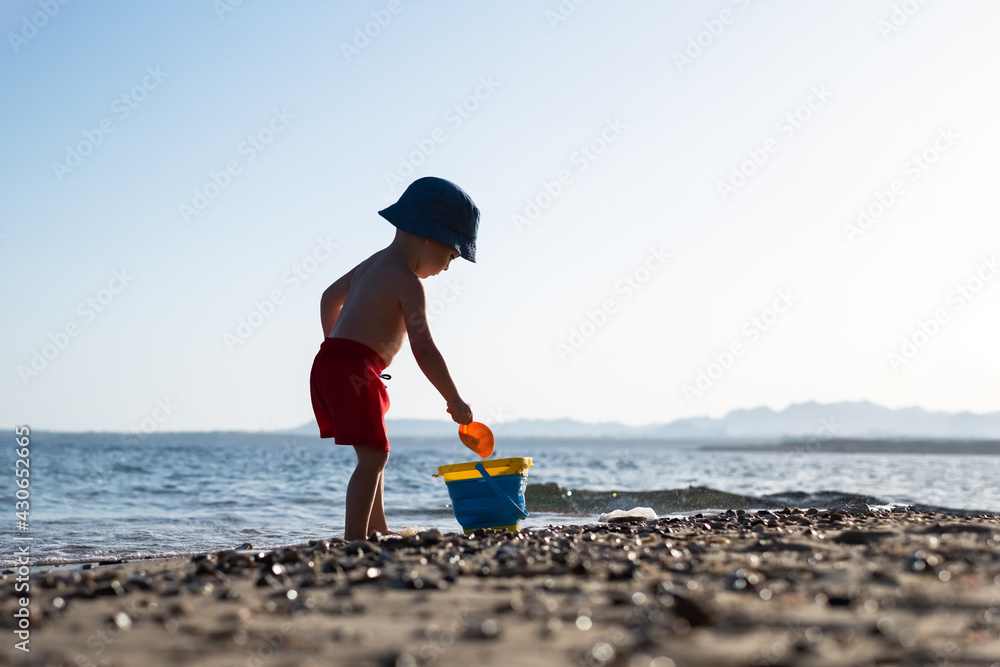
778,587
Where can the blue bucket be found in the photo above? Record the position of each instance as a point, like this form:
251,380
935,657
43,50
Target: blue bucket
487,494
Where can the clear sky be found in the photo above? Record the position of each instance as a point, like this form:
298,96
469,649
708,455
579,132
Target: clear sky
670,199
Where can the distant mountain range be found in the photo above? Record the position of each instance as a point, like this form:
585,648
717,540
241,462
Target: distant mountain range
860,419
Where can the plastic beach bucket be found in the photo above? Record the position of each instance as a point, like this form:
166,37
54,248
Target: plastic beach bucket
487,494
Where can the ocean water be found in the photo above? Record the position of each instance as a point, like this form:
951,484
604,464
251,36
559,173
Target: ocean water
105,496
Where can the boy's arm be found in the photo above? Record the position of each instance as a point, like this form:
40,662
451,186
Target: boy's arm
333,300
426,353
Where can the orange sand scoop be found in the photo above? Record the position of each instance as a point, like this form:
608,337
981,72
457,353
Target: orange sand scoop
477,437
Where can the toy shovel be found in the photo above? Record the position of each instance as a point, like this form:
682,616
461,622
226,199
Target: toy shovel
477,437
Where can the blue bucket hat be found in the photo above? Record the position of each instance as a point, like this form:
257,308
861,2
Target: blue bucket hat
439,210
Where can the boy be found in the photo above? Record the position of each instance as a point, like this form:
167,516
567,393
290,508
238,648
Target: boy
366,316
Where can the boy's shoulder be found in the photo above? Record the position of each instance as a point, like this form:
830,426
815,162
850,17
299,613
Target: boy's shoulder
381,267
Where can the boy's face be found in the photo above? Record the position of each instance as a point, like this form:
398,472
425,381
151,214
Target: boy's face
436,258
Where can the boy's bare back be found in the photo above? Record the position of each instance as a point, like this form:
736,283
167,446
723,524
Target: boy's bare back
372,312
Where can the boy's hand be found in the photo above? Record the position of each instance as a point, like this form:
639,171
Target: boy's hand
460,411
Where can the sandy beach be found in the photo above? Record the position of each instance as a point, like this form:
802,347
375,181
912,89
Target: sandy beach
778,587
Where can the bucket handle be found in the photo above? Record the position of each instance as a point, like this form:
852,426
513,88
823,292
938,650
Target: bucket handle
497,490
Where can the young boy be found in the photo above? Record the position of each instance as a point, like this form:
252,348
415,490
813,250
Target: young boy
366,316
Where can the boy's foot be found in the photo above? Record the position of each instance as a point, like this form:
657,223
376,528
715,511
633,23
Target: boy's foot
389,534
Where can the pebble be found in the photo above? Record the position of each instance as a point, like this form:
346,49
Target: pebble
863,536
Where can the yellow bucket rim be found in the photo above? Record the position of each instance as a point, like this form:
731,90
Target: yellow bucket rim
495,467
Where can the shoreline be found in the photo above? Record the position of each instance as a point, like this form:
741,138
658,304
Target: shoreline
580,507
788,586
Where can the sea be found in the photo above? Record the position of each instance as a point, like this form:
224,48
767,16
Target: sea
107,497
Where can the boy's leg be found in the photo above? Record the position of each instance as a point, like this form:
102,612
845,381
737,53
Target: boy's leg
365,484
376,521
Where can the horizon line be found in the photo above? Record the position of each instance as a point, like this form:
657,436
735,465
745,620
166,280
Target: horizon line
529,419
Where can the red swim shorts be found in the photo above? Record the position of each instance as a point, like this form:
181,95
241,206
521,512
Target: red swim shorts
348,396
